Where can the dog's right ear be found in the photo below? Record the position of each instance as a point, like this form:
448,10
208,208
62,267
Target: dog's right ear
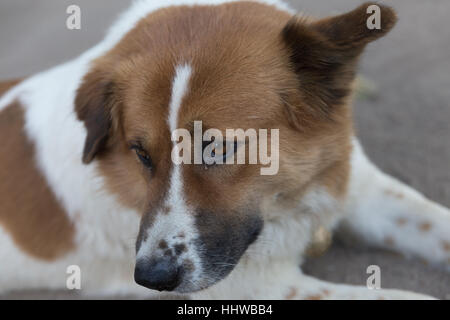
93,105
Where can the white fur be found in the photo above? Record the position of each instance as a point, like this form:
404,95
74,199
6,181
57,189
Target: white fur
106,231
180,86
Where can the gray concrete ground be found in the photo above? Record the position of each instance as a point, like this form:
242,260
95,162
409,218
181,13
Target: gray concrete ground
404,126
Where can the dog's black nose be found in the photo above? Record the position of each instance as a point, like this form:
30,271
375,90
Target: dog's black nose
161,274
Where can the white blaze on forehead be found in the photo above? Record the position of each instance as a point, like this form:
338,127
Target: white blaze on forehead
178,219
180,86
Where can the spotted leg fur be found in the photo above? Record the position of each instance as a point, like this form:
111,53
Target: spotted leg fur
286,281
384,212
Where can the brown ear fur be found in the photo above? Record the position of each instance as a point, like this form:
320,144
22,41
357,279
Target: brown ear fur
324,54
350,29
93,107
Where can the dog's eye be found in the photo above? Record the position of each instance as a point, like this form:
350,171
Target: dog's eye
142,155
218,152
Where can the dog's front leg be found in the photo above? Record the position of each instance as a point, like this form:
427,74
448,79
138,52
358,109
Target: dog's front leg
287,282
309,288
384,212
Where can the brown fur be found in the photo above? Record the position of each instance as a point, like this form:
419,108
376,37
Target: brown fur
314,297
6,85
291,294
446,245
424,226
253,67
401,221
29,211
221,81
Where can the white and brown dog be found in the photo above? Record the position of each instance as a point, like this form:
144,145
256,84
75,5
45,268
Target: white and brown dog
86,165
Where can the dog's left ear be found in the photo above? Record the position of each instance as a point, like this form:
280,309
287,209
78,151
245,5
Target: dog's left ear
93,105
324,53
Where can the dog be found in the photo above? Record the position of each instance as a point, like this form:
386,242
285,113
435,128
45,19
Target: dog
88,177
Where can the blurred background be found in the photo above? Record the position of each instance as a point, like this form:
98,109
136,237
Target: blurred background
403,118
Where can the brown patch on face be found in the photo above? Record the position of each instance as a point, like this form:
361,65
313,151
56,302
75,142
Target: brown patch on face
424,226
446,245
226,91
401,221
314,297
181,235
291,294
229,46
326,292
163,244
29,211
389,241
180,248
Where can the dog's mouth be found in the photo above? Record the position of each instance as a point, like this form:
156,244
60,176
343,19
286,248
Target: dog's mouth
186,258
165,274
193,273
198,268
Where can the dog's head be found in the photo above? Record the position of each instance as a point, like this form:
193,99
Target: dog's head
234,66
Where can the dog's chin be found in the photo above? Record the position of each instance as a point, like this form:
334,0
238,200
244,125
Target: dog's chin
203,282
192,287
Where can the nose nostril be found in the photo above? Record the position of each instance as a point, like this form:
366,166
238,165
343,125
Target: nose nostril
161,275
